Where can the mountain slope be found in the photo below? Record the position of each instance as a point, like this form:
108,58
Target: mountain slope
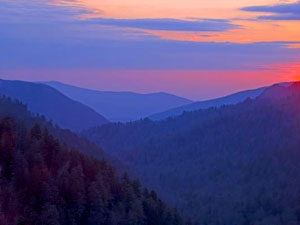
236,164
19,113
44,182
47,101
121,106
226,100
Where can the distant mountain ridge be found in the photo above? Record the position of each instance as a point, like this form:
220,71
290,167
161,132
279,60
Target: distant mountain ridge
226,100
55,106
121,106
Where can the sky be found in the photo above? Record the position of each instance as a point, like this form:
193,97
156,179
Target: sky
197,49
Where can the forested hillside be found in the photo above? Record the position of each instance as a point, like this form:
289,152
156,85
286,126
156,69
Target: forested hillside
42,182
217,102
19,112
231,165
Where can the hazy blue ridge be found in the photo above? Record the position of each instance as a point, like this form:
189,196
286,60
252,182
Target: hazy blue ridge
121,106
55,106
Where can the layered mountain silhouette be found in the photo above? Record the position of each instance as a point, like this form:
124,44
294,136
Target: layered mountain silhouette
236,161
226,100
55,106
121,106
234,164
44,181
19,112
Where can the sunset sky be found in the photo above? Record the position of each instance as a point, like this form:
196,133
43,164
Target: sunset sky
198,49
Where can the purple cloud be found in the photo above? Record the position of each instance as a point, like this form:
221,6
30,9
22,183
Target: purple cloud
35,34
282,11
167,24
37,11
65,53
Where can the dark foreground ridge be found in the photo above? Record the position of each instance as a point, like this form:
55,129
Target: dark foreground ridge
44,182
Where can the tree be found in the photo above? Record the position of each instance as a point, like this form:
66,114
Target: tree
49,215
36,132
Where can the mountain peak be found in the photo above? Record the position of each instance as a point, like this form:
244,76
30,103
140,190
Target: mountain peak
278,91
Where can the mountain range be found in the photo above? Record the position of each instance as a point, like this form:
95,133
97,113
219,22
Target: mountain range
121,106
65,104
232,160
226,100
47,101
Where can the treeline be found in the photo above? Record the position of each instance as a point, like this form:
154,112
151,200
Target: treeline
43,182
236,164
19,112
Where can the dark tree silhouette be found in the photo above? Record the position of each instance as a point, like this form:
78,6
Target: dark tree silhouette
44,182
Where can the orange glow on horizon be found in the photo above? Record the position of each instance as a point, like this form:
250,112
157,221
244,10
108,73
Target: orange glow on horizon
291,71
193,84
